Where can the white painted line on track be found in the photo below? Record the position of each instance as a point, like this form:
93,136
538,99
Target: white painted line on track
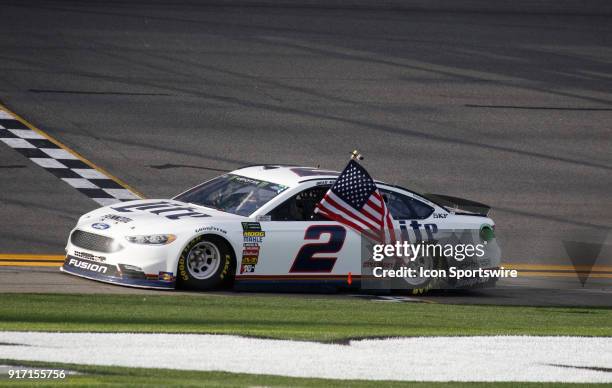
495,358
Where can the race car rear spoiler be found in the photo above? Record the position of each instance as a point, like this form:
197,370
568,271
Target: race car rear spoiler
459,204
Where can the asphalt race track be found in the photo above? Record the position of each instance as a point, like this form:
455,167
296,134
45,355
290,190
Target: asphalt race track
533,292
512,110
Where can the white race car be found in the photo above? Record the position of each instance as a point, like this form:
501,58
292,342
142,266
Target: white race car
253,228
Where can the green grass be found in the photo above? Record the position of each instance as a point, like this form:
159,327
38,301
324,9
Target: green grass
122,377
289,317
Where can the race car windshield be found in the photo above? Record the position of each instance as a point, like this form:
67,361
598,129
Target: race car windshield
233,194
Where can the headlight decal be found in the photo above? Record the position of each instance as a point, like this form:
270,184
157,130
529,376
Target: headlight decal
152,239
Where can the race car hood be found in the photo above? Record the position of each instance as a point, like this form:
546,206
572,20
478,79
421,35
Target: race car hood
151,215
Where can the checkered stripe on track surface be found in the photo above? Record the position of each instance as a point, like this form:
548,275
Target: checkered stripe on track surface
63,164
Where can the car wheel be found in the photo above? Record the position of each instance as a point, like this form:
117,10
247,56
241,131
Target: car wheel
416,284
206,263
424,285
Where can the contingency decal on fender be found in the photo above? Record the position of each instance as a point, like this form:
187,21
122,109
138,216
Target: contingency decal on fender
252,233
163,207
252,237
166,276
250,257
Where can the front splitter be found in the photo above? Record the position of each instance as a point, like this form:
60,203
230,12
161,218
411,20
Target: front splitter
136,283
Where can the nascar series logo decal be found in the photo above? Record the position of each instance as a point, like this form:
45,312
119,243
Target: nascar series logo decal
252,232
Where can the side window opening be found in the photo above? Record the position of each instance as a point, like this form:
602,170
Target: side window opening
301,206
403,207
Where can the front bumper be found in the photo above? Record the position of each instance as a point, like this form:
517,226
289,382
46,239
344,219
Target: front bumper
113,274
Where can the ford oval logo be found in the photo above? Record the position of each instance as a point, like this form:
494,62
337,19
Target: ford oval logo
100,226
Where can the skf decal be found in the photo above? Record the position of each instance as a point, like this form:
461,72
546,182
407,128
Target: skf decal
440,215
163,207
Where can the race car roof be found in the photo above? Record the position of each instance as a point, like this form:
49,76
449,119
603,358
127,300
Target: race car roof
291,176
285,175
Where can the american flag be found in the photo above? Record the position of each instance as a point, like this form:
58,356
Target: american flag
354,201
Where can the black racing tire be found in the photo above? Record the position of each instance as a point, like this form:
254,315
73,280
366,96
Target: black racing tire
430,284
419,285
198,268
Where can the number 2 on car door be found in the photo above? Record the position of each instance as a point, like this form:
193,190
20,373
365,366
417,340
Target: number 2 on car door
304,260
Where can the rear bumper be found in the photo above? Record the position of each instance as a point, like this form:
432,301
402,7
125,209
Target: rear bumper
113,275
